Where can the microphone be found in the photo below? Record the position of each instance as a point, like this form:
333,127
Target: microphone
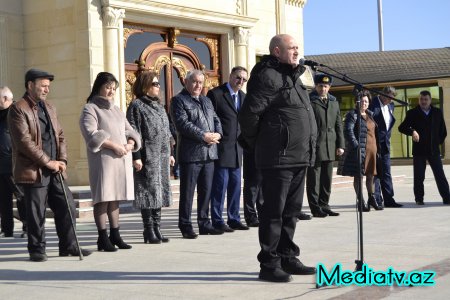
307,62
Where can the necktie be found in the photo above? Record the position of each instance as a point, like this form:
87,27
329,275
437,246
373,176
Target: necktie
236,102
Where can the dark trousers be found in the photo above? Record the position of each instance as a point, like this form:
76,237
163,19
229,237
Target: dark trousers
318,185
198,174
7,189
283,196
420,164
383,182
36,198
226,181
252,190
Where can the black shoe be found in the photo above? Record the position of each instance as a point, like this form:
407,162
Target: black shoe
365,207
420,202
295,266
224,228
160,236
5,235
74,252
210,230
38,257
116,239
254,223
330,212
189,234
393,204
238,226
304,217
274,275
149,235
372,202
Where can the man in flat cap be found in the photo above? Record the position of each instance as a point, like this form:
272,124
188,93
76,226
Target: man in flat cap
39,153
330,142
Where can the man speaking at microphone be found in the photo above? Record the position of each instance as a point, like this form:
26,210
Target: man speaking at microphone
278,121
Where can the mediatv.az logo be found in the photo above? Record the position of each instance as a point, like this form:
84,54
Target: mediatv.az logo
367,276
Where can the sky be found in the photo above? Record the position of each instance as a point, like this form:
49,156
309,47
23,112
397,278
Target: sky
337,26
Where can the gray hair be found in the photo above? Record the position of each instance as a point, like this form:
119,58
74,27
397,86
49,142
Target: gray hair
192,73
5,92
389,90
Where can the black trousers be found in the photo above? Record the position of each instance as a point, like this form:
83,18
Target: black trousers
318,185
36,198
7,189
420,164
198,174
283,196
252,191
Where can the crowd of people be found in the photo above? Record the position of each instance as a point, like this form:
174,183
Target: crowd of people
278,137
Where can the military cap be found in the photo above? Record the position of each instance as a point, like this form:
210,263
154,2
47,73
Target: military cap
323,79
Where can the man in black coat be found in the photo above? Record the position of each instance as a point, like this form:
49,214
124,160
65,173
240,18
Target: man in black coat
227,100
382,108
425,123
277,120
199,131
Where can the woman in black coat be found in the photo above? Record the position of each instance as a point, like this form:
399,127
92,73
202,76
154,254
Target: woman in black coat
152,163
368,143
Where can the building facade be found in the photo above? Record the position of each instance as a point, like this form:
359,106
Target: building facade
76,39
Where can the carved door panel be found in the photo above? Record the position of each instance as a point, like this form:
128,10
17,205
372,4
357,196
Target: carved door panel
171,59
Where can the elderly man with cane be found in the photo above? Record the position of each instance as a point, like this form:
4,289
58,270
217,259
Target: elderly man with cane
39,154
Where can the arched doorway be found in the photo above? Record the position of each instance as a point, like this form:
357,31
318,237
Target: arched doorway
171,54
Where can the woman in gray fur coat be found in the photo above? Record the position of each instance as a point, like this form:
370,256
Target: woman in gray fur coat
152,163
109,141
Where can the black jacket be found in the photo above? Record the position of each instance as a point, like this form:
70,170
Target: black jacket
5,144
348,165
230,152
192,120
384,133
432,132
277,118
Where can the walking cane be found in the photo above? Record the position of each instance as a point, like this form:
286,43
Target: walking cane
70,215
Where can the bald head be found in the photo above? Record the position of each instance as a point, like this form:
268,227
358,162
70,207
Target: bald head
6,97
285,48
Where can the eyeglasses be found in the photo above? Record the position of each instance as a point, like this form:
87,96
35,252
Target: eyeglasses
239,78
156,84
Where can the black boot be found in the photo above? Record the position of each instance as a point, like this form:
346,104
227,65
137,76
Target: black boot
149,230
372,202
116,239
103,242
365,206
156,215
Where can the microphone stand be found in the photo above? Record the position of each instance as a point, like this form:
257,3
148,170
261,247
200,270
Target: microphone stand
358,87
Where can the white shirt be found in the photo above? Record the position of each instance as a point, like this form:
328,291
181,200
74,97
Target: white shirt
387,116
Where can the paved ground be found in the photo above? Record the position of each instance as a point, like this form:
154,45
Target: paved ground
225,267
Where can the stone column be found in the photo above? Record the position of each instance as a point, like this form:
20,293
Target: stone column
241,37
112,22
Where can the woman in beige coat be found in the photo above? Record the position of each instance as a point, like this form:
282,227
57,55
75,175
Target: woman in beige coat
109,140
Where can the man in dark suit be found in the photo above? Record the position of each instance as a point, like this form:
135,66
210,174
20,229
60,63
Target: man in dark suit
199,131
383,114
330,143
425,123
227,100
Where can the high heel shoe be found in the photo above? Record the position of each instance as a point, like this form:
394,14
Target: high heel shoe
116,239
103,242
372,202
150,236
